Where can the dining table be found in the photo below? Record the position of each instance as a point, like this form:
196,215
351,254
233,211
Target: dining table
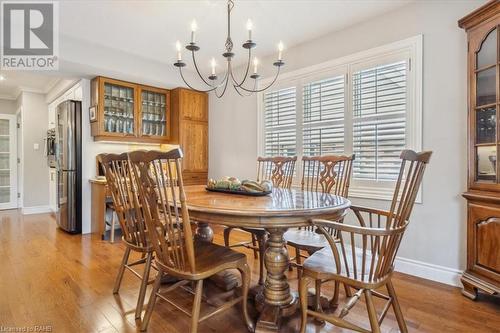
276,213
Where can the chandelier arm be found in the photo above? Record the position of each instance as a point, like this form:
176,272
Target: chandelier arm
270,84
226,78
236,84
198,71
183,79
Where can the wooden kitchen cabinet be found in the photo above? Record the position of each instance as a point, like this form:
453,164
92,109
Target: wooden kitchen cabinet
483,192
190,131
130,112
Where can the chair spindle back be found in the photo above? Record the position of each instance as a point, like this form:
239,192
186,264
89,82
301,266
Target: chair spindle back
279,170
161,194
122,188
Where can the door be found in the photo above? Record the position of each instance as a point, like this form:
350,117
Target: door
8,162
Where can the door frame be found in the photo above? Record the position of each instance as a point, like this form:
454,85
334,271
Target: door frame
20,156
13,203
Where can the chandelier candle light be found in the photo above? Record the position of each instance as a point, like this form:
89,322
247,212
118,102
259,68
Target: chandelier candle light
219,86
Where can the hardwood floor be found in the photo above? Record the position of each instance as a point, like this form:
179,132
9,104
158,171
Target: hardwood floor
48,277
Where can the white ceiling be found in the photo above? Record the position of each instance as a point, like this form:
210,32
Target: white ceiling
15,81
149,30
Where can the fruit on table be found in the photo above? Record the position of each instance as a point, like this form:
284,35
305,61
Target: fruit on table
234,184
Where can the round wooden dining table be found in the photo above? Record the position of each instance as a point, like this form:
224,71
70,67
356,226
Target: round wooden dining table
276,212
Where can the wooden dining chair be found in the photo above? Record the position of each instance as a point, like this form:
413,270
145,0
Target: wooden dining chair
363,256
280,171
135,236
160,193
326,174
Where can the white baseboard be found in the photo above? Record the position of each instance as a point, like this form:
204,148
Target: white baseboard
36,210
428,271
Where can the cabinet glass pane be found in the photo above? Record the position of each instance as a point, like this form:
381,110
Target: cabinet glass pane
118,109
486,125
487,54
486,163
153,109
486,86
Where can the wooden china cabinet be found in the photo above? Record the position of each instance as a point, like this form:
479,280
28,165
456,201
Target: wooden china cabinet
129,112
483,193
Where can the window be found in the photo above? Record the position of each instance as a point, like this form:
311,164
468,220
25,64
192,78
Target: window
379,120
368,104
323,123
280,122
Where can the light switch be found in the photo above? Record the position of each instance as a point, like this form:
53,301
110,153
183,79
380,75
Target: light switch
36,146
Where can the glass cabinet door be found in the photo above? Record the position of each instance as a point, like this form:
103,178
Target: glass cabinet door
486,106
154,113
119,116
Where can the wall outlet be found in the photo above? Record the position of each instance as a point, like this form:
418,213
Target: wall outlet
36,146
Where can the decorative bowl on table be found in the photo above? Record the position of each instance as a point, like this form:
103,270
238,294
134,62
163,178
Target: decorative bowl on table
233,185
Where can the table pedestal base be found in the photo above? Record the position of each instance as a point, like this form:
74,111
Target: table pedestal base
271,315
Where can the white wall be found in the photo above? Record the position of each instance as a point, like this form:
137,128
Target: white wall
436,235
7,106
35,191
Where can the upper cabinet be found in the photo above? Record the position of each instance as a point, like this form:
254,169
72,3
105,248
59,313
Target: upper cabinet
124,111
483,66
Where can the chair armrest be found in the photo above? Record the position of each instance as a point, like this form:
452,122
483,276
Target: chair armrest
369,210
355,229
358,210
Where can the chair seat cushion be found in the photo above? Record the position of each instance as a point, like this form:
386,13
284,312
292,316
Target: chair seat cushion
305,239
323,263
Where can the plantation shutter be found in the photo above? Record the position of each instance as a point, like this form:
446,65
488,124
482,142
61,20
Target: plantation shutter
379,120
323,112
280,122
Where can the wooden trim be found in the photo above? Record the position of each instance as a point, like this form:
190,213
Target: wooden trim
479,15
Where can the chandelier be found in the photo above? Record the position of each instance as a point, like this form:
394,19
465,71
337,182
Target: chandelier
219,84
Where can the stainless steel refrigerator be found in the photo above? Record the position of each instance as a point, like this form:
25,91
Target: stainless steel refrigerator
69,166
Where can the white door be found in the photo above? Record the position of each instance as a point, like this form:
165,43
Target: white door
8,161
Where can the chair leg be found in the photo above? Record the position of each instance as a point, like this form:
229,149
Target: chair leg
245,284
196,306
298,260
303,283
227,233
348,291
372,313
317,296
254,245
144,285
113,221
397,308
261,240
334,302
152,301
121,270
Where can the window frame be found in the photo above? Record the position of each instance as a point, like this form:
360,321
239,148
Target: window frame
411,49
